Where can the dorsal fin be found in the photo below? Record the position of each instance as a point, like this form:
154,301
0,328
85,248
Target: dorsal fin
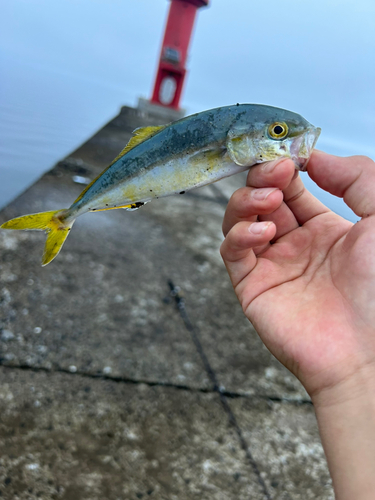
139,135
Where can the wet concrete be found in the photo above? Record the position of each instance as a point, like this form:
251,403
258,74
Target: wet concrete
134,330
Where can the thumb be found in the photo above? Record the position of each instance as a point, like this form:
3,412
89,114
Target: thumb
351,178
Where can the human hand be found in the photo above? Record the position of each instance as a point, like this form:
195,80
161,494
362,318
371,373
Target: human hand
305,276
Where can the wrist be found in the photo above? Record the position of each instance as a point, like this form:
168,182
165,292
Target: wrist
356,386
346,419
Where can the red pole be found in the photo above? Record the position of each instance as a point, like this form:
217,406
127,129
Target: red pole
171,71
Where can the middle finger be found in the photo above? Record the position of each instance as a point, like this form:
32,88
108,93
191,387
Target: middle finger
247,203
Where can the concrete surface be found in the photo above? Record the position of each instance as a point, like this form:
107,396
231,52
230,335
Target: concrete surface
163,112
128,368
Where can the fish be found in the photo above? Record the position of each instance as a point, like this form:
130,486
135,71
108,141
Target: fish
169,159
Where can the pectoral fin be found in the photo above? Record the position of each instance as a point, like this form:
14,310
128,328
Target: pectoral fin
240,148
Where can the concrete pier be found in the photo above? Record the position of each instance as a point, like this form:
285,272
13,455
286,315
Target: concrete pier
128,370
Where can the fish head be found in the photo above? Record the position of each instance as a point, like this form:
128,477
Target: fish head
273,133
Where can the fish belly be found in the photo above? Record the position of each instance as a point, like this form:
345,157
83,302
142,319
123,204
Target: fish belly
175,176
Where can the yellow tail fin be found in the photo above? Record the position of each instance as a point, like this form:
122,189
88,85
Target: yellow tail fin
57,230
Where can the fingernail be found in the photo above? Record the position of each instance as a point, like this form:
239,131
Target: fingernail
259,227
262,194
270,166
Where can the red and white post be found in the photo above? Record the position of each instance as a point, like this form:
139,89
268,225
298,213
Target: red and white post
171,71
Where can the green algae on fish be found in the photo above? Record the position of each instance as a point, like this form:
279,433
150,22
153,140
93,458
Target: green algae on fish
186,154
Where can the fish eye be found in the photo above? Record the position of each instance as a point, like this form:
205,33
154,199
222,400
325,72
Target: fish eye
278,130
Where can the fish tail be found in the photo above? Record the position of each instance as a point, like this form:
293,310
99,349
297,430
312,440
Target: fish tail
53,223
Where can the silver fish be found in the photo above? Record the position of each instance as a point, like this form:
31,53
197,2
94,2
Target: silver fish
186,154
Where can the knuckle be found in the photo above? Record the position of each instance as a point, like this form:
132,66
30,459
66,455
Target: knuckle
231,243
240,197
223,250
363,160
296,195
225,224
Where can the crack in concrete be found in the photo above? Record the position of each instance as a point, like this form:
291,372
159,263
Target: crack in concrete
100,376
180,302
220,197
154,383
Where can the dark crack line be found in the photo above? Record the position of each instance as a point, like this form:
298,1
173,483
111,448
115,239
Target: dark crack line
180,302
222,201
100,376
219,195
155,383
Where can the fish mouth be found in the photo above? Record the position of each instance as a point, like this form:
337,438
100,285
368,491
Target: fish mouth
303,146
